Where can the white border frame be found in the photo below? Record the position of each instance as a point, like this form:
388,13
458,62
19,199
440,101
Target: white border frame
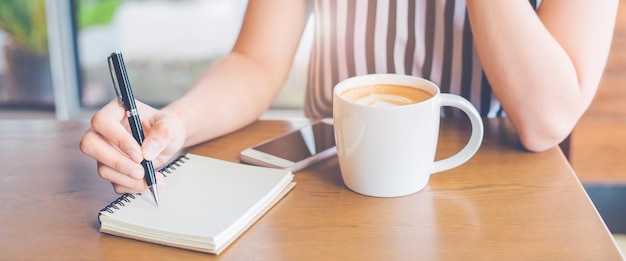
63,65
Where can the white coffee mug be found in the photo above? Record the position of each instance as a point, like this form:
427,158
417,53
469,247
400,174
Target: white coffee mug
387,148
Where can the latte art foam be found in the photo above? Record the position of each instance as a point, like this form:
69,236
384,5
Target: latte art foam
385,95
375,99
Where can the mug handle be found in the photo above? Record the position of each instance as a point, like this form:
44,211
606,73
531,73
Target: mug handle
476,137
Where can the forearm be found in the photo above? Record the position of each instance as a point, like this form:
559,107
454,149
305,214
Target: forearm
239,88
541,72
230,95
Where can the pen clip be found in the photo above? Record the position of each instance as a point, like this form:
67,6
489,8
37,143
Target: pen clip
116,83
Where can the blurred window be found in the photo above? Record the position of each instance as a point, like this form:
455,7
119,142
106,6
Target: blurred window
166,44
25,76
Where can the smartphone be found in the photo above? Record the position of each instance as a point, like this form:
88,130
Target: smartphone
296,149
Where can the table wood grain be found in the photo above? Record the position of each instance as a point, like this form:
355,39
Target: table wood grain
503,204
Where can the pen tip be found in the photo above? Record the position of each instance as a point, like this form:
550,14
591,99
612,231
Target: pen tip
155,193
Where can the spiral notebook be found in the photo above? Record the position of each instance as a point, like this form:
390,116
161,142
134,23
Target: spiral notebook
204,206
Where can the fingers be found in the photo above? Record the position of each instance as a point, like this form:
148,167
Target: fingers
164,135
94,146
106,122
125,184
122,183
111,145
118,154
160,134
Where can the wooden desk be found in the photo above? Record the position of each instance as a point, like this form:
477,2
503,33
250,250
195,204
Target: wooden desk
503,204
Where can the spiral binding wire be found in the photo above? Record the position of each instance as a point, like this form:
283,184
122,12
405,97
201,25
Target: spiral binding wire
126,198
119,202
172,166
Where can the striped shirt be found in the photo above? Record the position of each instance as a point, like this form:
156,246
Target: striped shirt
426,38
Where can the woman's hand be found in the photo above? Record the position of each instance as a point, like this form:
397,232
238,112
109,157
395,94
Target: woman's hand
119,156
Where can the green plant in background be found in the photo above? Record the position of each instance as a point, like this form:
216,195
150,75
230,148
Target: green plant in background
25,22
27,79
96,12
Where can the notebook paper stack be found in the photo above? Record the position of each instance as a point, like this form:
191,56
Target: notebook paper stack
204,206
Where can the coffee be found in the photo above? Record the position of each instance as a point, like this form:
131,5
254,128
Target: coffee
386,148
385,95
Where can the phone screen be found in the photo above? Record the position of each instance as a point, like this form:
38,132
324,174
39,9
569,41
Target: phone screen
301,144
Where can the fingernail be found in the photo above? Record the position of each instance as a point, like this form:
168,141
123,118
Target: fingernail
135,155
137,172
151,150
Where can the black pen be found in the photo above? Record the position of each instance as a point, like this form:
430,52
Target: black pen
125,97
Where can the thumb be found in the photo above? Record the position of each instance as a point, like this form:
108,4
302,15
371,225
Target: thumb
158,136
